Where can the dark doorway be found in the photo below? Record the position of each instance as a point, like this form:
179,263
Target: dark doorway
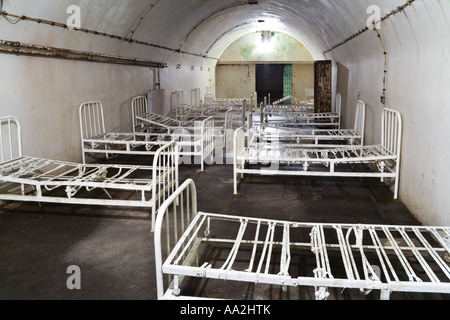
322,86
269,80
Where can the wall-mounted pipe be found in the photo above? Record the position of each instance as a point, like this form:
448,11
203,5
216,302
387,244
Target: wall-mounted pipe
18,18
374,23
387,16
383,97
17,48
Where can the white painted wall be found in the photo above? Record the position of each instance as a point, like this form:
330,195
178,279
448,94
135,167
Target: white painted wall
45,94
418,79
235,81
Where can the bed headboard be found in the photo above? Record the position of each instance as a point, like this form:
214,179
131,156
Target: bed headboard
92,120
391,131
174,218
10,138
139,105
338,103
195,96
338,107
239,141
360,119
209,98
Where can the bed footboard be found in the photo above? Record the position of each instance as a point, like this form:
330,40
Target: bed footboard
165,176
10,138
208,141
238,148
174,218
139,106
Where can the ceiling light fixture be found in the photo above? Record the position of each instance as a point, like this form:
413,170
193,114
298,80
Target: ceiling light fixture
266,42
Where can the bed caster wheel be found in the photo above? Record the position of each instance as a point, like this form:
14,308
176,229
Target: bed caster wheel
322,294
447,257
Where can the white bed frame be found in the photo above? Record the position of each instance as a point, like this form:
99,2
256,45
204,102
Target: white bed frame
210,98
303,161
305,105
265,252
44,180
311,137
228,114
300,115
96,140
194,138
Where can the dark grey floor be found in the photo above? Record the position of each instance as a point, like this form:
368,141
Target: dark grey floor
114,247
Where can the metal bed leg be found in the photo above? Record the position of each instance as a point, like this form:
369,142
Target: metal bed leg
235,180
385,294
322,294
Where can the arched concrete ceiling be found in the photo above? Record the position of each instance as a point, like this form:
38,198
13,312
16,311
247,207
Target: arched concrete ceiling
198,26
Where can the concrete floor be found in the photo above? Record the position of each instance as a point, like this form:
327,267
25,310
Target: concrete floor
114,247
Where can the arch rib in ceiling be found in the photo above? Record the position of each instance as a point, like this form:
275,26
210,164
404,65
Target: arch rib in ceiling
141,19
246,3
223,34
227,38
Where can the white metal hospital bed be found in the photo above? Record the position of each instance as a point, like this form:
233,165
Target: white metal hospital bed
278,115
263,252
313,137
195,138
32,179
299,161
298,105
95,139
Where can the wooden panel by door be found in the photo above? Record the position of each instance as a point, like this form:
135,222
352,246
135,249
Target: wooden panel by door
322,86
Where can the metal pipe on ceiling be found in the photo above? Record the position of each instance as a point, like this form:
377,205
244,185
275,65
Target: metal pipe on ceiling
17,48
18,18
387,16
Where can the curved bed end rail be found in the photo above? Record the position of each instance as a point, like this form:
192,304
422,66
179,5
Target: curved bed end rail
207,140
238,146
391,140
92,120
10,138
338,108
391,131
165,176
181,207
360,119
139,106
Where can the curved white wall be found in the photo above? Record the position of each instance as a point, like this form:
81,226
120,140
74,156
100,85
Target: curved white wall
45,93
418,77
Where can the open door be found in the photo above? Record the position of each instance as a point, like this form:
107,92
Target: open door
323,86
269,80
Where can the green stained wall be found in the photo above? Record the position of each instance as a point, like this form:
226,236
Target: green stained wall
235,72
283,48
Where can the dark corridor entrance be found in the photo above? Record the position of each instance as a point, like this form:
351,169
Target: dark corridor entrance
270,80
